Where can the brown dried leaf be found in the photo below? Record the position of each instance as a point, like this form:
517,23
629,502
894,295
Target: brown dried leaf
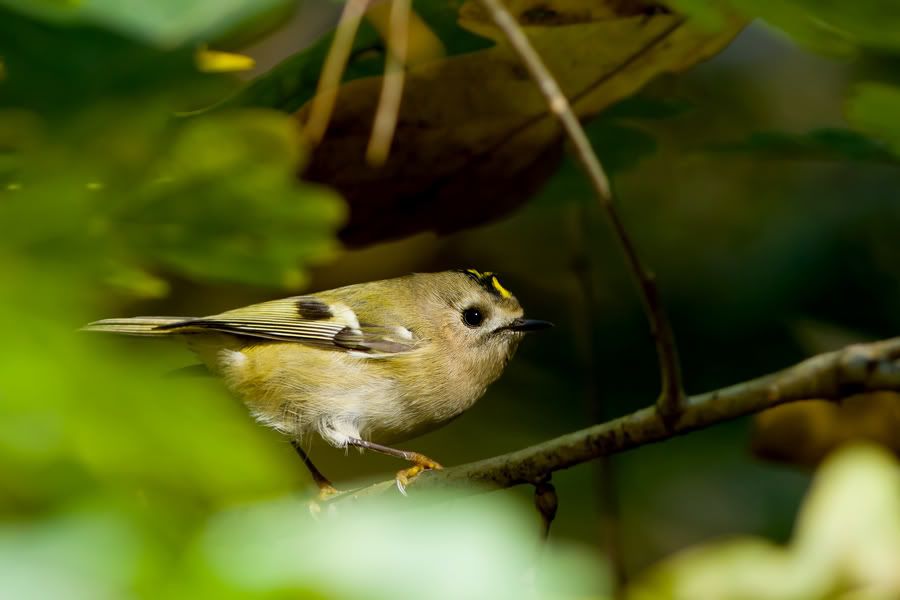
473,139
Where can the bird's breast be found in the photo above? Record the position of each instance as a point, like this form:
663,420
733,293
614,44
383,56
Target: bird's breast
294,388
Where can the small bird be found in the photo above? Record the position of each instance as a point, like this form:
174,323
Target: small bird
365,365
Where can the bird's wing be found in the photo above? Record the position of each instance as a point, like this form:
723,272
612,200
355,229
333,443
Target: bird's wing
304,319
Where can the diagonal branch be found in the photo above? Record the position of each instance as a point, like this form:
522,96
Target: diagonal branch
671,399
836,375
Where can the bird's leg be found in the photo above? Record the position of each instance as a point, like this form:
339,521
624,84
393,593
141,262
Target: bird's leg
404,476
326,490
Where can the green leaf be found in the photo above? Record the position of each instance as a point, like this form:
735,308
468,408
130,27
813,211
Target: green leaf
60,70
706,13
874,108
827,26
872,24
819,144
227,204
214,198
163,23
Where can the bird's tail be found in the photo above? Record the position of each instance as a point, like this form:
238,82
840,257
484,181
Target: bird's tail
146,326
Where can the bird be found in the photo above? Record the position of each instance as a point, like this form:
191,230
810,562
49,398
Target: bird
368,365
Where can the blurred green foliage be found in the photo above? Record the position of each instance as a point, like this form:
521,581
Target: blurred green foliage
875,109
116,188
819,144
845,544
111,473
162,23
828,26
868,32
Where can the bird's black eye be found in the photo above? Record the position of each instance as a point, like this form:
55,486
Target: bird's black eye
472,317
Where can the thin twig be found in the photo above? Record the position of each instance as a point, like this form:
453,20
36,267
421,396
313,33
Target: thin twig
392,84
836,375
671,399
611,523
333,70
605,488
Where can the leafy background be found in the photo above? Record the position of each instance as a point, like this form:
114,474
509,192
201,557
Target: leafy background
760,185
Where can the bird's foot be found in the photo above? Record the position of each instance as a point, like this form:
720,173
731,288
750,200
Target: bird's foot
422,463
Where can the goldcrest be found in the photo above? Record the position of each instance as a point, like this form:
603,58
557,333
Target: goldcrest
365,365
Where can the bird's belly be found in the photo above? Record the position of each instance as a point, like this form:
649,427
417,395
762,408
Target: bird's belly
420,414
307,391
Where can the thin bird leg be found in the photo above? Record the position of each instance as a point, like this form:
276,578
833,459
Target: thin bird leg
404,476
326,490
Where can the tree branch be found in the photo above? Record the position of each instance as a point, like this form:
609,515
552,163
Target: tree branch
833,376
671,399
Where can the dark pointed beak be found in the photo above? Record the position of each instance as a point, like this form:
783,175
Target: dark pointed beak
525,325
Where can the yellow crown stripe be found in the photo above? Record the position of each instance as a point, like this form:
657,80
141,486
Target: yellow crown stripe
483,276
502,290
489,281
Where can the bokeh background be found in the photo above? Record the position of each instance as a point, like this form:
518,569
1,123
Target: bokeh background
767,250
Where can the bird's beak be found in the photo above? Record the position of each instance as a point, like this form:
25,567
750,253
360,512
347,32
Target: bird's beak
525,325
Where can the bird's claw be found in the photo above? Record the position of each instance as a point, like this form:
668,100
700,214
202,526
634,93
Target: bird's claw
404,476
